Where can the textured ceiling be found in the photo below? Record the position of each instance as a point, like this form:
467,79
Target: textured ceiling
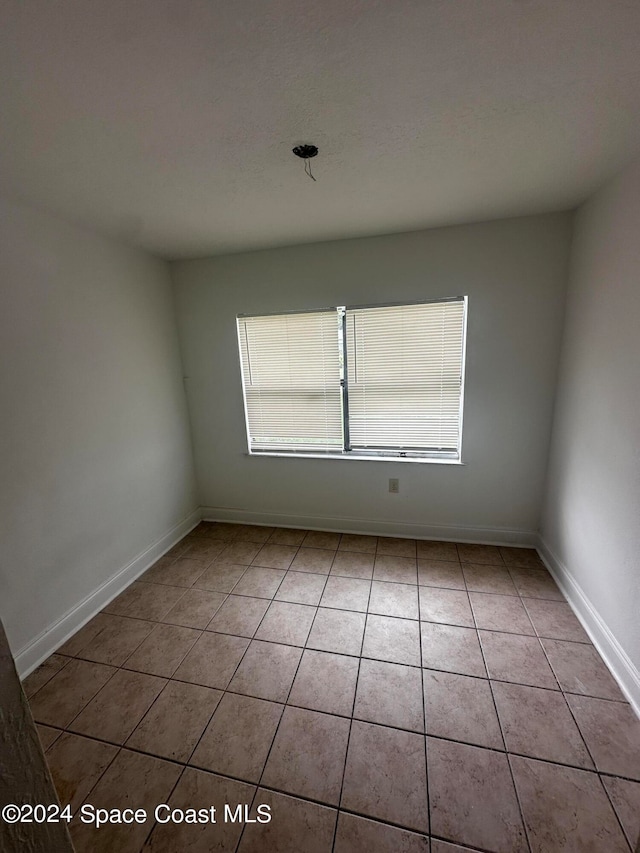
170,123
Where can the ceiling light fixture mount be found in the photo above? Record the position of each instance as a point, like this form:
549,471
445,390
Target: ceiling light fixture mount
306,152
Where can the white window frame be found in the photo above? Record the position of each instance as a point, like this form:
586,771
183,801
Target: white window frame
391,455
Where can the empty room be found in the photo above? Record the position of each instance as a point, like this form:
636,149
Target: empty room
320,381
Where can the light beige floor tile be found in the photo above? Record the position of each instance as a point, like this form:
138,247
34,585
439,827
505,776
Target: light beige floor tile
286,623
538,723
308,755
580,669
204,549
351,564
174,723
394,599
238,738
556,620
346,593
199,790
447,606
301,588
612,733
431,550
390,694
535,583
338,631
254,533
516,658
44,673
452,649
84,635
132,781
275,556
239,615
440,573
385,776
472,797
287,536
487,554
222,531
313,560
66,694
523,558
178,549
220,577
196,608
213,660
567,806
391,639
163,650
47,735
488,578
76,763
359,835
291,820
325,682
184,571
267,671
239,553
395,569
141,600
358,543
260,583
438,846
322,539
116,710
119,638
503,613
459,707
396,547
625,797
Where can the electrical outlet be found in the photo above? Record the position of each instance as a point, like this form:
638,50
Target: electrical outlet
394,486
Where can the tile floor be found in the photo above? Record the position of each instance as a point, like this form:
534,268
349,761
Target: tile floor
379,694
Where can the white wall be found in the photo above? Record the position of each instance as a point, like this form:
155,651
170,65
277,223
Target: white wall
514,272
591,518
95,446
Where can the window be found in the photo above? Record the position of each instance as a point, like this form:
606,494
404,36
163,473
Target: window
362,382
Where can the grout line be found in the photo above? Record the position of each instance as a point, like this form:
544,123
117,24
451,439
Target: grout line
244,825
424,725
615,811
504,741
353,708
171,793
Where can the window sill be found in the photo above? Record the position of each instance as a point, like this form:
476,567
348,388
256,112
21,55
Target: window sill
430,460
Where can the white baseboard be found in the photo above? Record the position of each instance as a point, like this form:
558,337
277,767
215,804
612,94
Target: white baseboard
343,524
39,649
615,657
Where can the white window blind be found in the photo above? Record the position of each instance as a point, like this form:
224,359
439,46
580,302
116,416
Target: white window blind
404,366
368,381
291,376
